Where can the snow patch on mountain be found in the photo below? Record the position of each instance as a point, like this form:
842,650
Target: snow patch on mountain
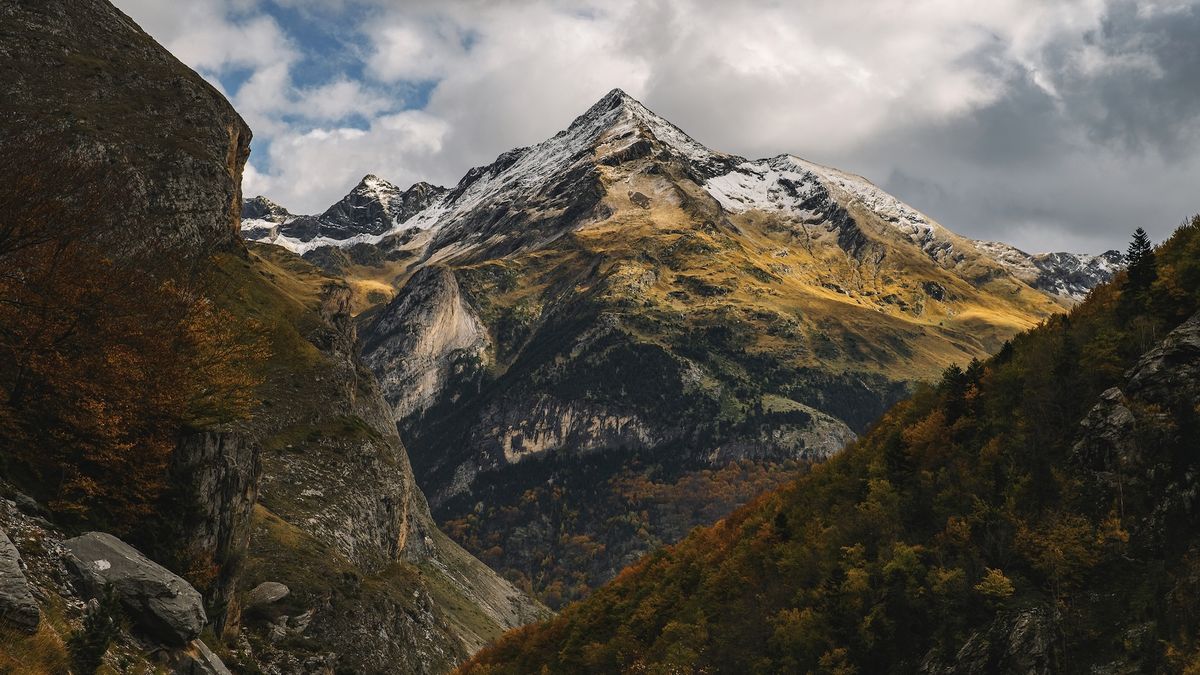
1068,275
613,124
778,184
786,184
618,128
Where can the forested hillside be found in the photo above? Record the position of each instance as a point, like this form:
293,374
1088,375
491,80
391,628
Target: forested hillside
1035,512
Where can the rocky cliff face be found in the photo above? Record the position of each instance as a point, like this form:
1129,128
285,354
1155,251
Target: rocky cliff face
314,489
98,105
82,80
374,586
439,338
215,482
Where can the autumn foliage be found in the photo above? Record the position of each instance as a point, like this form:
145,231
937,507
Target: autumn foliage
109,345
964,529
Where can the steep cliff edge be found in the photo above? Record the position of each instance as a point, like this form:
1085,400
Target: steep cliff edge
374,586
271,457
82,80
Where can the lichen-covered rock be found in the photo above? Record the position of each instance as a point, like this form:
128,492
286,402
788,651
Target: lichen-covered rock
17,605
161,603
266,593
82,80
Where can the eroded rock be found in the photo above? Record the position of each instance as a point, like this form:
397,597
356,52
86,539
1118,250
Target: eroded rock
17,605
266,593
162,604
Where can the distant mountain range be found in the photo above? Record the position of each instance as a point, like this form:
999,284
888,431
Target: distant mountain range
376,212
621,304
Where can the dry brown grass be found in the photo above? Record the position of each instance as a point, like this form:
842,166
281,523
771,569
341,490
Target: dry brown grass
43,653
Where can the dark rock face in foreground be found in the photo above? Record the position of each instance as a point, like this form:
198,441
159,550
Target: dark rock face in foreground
374,587
81,79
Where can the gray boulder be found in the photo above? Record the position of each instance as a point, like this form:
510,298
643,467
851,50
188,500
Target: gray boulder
162,604
266,593
17,605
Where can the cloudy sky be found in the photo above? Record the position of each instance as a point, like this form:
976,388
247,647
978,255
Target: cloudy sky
1051,124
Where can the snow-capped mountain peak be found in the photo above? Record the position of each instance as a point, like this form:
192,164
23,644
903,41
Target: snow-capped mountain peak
552,184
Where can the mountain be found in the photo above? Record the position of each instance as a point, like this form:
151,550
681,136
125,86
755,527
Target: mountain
597,342
1069,276
1032,513
197,467
372,209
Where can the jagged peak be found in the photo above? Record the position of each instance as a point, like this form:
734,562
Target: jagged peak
617,106
619,115
263,200
373,182
262,208
422,186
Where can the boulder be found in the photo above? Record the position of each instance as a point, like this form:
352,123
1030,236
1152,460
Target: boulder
266,593
162,604
17,605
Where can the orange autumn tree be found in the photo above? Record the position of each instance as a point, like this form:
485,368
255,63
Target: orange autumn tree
108,348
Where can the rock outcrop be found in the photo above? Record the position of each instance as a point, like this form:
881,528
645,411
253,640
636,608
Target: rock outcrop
1119,444
165,606
1016,642
425,340
82,80
17,604
214,481
266,593
198,659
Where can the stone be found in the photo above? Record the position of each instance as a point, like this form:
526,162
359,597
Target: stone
162,604
1015,642
266,593
198,659
17,605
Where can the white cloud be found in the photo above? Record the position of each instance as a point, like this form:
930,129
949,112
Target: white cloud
328,162
966,97
211,35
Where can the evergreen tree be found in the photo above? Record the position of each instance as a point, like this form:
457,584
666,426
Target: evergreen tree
1140,262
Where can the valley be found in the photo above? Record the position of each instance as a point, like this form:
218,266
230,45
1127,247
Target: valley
619,303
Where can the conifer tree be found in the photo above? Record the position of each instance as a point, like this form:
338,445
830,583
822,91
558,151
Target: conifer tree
1140,262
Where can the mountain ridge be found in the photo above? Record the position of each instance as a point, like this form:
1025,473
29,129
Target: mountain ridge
620,304
1034,512
737,183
